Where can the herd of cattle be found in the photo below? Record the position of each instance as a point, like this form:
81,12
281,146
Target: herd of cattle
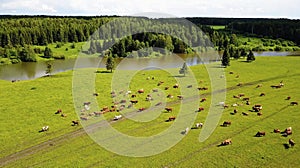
123,104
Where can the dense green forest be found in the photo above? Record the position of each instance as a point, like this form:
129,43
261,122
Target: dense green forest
21,36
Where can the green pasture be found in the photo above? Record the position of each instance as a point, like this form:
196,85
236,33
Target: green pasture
29,105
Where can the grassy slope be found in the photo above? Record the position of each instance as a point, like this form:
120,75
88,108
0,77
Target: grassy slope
27,110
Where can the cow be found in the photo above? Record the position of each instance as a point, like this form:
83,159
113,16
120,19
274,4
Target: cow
166,88
247,102
245,114
128,92
86,103
202,88
158,104
257,107
239,84
276,131
95,94
262,94
276,86
149,98
260,134
234,105
172,118
180,97
294,103
230,72
63,115
133,95
98,113
112,92
134,101
246,99
75,122
123,101
141,109
226,142
176,86
169,109
58,111
235,111
117,117
141,91
189,86
200,109
237,97
169,96
291,142
199,125
225,106
160,83
241,94
203,99
288,131
226,123
44,128
155,90
259,113
87,107
288,98
84,118
184,132
259,85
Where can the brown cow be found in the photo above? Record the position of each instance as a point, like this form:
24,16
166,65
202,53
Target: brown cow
259,113
276,131
166,88
154,90
58,111
230,72
141,109
288,98
294,103
172,118
226,142
141,91
200,109
203,99
123,101
226,123
262,94
260,134
134,101
291,142
169,109
180,97
246,98
242,94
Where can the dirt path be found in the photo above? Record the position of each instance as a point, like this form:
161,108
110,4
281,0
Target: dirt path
44,145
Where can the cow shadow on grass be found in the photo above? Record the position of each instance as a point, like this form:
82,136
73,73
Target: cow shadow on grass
286,146
102,71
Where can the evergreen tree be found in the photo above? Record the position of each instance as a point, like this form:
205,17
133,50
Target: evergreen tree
250,56
226,58
48,53
27,55
110,63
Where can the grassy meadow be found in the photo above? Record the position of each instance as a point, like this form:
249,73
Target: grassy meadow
29,105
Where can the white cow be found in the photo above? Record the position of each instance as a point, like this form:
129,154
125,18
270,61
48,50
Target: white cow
199,125
186,130
117,117
45,128
86,107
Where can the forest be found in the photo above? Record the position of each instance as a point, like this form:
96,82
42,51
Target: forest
22,36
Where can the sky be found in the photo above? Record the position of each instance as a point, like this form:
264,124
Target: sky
182,8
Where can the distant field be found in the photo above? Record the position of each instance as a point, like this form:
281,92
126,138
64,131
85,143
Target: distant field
29,105
217,27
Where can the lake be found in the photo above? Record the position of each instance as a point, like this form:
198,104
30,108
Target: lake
32,70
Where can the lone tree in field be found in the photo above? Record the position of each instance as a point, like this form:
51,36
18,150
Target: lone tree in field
250,56
184,69
48,69
226,58
110,63
48,53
